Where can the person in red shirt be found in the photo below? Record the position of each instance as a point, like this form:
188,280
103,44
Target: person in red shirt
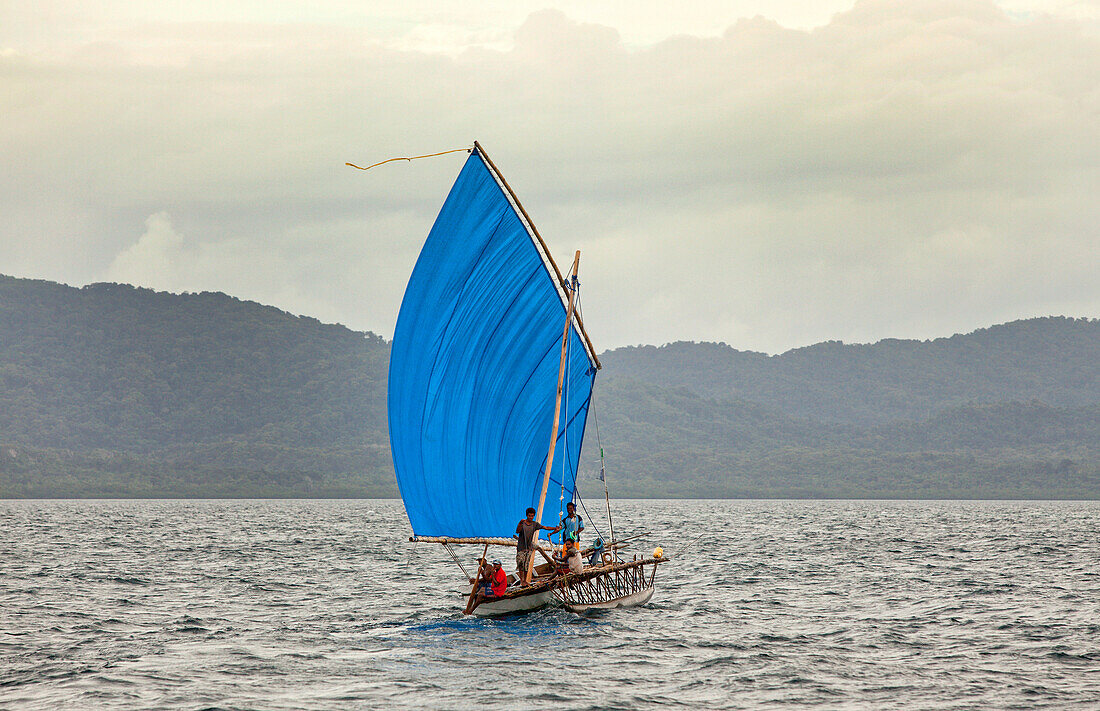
498,580
491,578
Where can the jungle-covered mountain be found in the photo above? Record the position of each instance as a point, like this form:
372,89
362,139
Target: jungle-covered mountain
112,390
1051,360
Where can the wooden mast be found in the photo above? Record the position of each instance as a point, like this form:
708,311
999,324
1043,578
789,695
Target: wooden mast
557,407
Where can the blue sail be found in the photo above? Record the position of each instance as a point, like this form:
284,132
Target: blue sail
474,370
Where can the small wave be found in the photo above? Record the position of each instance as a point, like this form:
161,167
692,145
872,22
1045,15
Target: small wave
1085,657
128,580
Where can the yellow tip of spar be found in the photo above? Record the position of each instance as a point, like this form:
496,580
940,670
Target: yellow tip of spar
658,552
391,160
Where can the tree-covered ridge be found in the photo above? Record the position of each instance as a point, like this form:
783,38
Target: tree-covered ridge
1051,360
112,390
672,442
117,367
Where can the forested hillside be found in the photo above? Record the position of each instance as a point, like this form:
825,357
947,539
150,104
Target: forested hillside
1050,360
672,443
114,390
118,367
110,390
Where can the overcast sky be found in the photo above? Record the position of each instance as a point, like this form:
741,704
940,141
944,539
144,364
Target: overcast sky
768,174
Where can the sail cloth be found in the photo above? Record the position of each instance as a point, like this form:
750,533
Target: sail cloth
474,371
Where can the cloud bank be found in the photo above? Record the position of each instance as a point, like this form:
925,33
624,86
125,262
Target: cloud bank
909,169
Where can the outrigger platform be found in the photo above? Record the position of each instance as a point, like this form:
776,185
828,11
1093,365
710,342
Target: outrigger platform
604,586
609,584
489,358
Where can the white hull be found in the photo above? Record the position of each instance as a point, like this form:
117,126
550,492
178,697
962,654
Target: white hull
514,604
633,600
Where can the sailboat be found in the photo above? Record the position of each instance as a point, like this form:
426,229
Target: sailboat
490,385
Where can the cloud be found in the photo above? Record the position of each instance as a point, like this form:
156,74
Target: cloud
154,260
907,169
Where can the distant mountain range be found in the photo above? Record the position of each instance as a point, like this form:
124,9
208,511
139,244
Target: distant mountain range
112,390
1051,360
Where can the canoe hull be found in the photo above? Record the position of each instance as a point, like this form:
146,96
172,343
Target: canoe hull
520,603
603,587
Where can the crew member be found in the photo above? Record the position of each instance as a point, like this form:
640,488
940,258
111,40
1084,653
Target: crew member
499,580
484,576
527,532
571,538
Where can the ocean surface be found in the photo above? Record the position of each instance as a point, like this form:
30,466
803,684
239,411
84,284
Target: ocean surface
766,604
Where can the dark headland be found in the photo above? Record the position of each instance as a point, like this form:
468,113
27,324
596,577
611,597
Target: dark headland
116,391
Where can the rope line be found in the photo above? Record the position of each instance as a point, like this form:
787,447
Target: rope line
391,160
455,558
591,520
690,543
565,433
599,443
576,490
577,497
565,437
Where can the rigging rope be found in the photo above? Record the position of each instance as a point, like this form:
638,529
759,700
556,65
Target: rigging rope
599,443
565,433
592,520
391,160
690,544
603,469
576,491
455,558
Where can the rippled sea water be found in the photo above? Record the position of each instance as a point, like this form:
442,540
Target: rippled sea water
325,605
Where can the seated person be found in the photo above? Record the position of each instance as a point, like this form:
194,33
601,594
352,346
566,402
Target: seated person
484,576
498,581
571,552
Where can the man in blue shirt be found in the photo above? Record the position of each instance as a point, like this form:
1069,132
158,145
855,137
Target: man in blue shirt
572,525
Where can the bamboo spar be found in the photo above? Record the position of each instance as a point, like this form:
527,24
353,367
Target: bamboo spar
557,408
534,231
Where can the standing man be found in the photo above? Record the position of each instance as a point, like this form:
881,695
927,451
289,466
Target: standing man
573,524
527,532
571,537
